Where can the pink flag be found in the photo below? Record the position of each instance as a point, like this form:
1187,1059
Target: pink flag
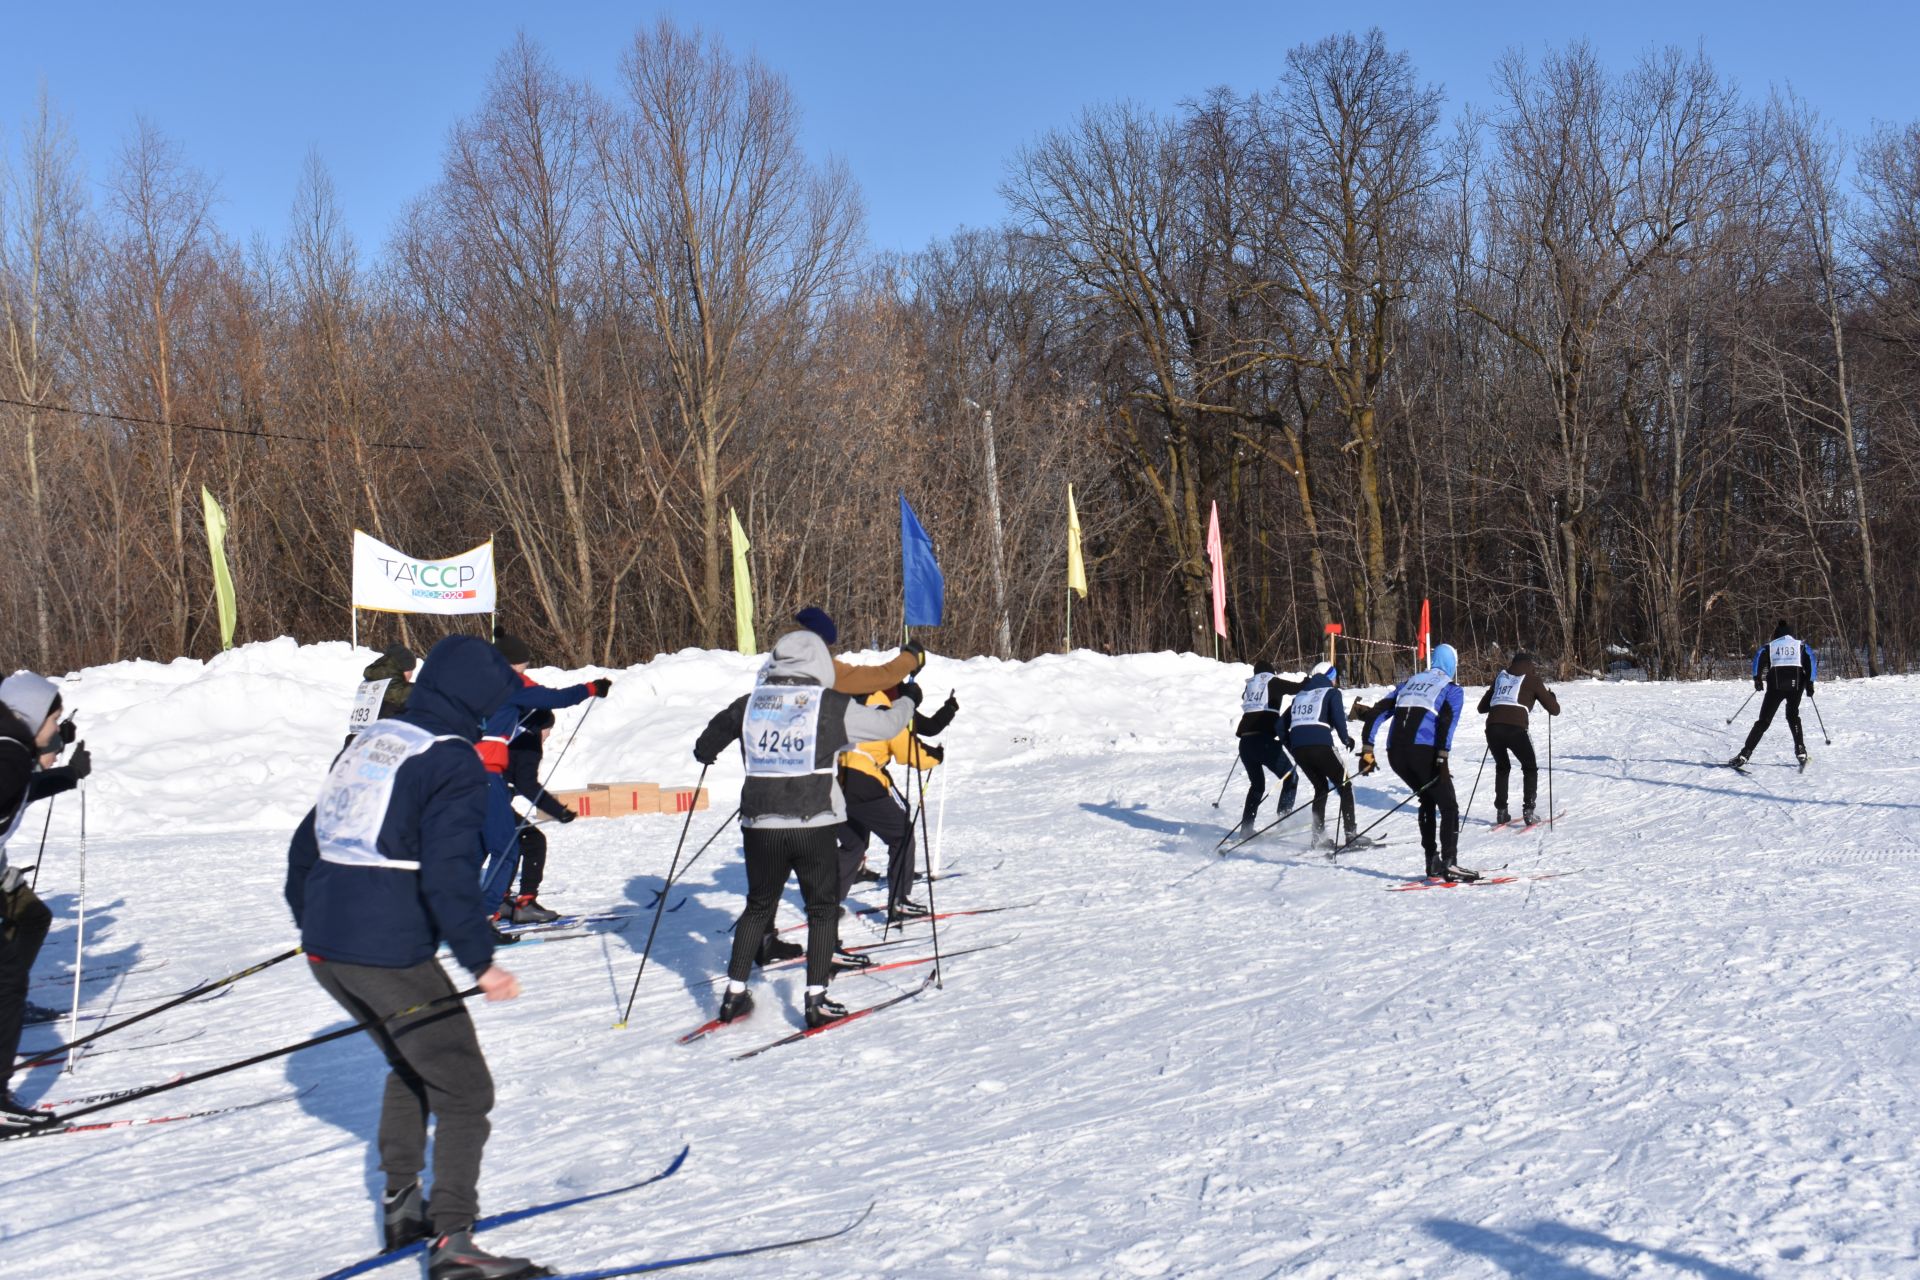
1219,560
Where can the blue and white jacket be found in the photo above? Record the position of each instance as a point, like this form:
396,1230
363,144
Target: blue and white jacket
1425,711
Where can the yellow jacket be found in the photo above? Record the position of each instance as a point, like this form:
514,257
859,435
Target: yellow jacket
872,758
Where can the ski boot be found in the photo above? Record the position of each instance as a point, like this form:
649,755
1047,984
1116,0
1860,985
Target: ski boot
502,939
821,1011
31,1013
1802,756
455,1256
735,1005
404,1216
1355,840
774,948
1320,840
845,961
906,910
1528,818
1454,873
1501,817
14,1117
1738,762
1436,869
866,875
527,910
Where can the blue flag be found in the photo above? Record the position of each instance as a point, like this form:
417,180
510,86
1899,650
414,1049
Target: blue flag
924,588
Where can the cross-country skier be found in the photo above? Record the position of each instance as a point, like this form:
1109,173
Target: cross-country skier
383,869
31,739
523,783
1785,668
394,666
872,810
1506,705
1261,747
792,729
1425,712
1309,725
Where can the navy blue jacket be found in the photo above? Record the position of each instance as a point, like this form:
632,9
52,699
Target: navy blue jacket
396,919
1333,718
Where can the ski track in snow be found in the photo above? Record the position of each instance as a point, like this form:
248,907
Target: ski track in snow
1695,1057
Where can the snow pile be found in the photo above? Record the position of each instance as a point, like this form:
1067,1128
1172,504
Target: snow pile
1694,1053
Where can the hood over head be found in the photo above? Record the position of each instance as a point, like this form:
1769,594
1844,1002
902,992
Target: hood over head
31,697
463,681
800,657
1445,659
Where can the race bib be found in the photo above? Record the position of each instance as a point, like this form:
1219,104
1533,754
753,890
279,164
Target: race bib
1306,706
366,704
1254,697
781,731
1423,691
1784,652
359,787
1506,689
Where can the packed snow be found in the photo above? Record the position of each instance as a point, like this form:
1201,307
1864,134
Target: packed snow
1693,1054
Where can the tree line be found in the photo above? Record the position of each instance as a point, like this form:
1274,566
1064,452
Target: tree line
1620,366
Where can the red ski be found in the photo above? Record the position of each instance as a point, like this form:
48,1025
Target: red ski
854,1016
1413,885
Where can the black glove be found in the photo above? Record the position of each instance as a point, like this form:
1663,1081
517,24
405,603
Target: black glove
918,650
67,732
81,763
1440,762
933,751
951,705
600,686
565,816
1809,688
910,692
706,762
1758,684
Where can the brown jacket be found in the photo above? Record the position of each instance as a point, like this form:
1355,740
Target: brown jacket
1532,690
859,681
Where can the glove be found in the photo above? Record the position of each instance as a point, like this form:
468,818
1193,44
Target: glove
1758,685
67,732
1809,689
910,692
600,687
1367,763
951,705
1440,762
933,751
706,762
82,762
565,816
918,650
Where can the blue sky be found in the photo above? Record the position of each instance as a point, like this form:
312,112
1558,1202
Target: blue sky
925,103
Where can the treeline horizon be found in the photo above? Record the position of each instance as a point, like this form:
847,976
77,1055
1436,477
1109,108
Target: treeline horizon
1623,364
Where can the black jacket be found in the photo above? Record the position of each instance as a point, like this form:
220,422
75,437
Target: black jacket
22,780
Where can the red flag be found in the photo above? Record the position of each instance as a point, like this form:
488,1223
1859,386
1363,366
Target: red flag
1219,560
1426,633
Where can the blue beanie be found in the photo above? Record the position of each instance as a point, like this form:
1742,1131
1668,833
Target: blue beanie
815,619
1447,660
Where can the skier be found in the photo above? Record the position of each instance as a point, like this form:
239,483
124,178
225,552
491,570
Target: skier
1309,726
385,677
1425,711
872,810
1261,747
31,739
523,783
792,729
853,678
383,869
1506,705
1785,668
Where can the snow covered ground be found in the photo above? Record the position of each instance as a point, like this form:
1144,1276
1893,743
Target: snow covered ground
1696,1055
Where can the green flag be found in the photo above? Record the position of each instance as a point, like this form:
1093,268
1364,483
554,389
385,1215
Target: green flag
742,589
222,576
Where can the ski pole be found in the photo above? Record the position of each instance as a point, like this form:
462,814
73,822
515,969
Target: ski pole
80,931
1816,715
49,1055
1743,707
1414,794
940,829
661,906
1549,773
1262,831
1476,783
1229,779
210,1073
933,910
705,845
41,856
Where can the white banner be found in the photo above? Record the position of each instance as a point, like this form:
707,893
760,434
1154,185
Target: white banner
388,581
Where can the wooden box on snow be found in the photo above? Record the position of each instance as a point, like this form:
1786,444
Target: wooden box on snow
592,802
682,799
630,797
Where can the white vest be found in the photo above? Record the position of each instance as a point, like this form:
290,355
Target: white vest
1254,696
1784,652
1306,706
781,731
1506,690
366,704
1423,691
359,788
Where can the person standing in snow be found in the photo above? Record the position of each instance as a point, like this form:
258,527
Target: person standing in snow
1425,713
1309,725
1262,746
1785,667
391,671
382,870
854,678
31,739
792,728
872,810
1506,705
524,753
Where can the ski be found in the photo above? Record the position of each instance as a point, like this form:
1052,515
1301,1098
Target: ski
27,1062
95,1126
509,1217
103,1015
867,913
853,1016
1424,883
99,972
88,1099
565,922
706,1029
668,1264
919,960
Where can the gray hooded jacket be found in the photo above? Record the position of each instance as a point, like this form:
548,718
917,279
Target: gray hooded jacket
810,800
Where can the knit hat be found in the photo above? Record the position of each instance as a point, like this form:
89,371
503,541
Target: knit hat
1262,667
31,697
815,619
1447,660
1782,630
399,656
512,648
1328,670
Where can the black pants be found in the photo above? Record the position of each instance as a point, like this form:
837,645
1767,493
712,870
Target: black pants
1772,704
1262,755
533,860
872,811
23,929
1325,771
1439,807
1509,742
435,1068
774,853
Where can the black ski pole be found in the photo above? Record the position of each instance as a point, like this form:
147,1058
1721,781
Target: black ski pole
1816,715
1549,773
933,910
1262,831
1743,707
661,906
48,1055
65,1116
41,856
1229,780
1414,794
1476,784
704,846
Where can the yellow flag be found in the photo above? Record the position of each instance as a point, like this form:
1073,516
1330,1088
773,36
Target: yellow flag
742,589
1076,567
222,576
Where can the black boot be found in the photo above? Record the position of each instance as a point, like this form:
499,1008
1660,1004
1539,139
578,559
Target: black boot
866,875
1501,817
1454,873
774,948
1435,867
735,1005
405,1216
14,1117
31,1013
845,961
455,1256
821,1011
904,910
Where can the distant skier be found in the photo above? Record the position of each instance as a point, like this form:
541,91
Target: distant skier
1425,713
385,678
383,869
1785,668
1261,749
872,810
1506,704
792,729
31,739
1309,725
523,783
